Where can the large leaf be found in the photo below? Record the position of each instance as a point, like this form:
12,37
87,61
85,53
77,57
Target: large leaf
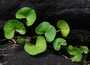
42,28
39,47
11,26
58,42
27,13
47,29
50,34
64,27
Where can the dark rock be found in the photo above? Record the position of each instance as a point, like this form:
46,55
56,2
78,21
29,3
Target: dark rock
22,58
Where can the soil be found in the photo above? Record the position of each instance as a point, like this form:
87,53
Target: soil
75,12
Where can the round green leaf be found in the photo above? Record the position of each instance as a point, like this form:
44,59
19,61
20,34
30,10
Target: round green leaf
58,42
11,26
39,47
27,13
50,34
64,27
42,28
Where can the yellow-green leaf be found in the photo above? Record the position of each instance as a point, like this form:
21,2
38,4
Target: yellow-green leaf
47,29
11,26
75,52
58,42
50,34
28,13
64,27
39,47
42,28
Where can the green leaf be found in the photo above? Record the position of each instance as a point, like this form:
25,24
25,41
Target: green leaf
42,28
50,34
39,47
75,52
11,26
76,58
64,27
47,29
84,49
27,13
58,42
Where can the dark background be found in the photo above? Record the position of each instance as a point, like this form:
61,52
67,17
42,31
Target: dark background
75,12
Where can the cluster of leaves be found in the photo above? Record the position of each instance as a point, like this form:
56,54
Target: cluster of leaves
45,33
77,52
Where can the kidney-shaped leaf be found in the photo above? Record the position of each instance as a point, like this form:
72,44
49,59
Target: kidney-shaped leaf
50,34
47,29
39,47
42,28
27,13
11,26
64,27
58,42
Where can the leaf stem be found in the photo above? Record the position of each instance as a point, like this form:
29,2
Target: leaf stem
58,31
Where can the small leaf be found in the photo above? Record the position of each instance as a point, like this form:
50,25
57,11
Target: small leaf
84,49
39,47
75,52
42,28
64,27
50,34
11,26
21,40
28,13
76,58
58,42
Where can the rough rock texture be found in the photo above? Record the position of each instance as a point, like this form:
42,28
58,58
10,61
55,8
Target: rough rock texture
6,4
72,10
20,57
58,7
49,7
